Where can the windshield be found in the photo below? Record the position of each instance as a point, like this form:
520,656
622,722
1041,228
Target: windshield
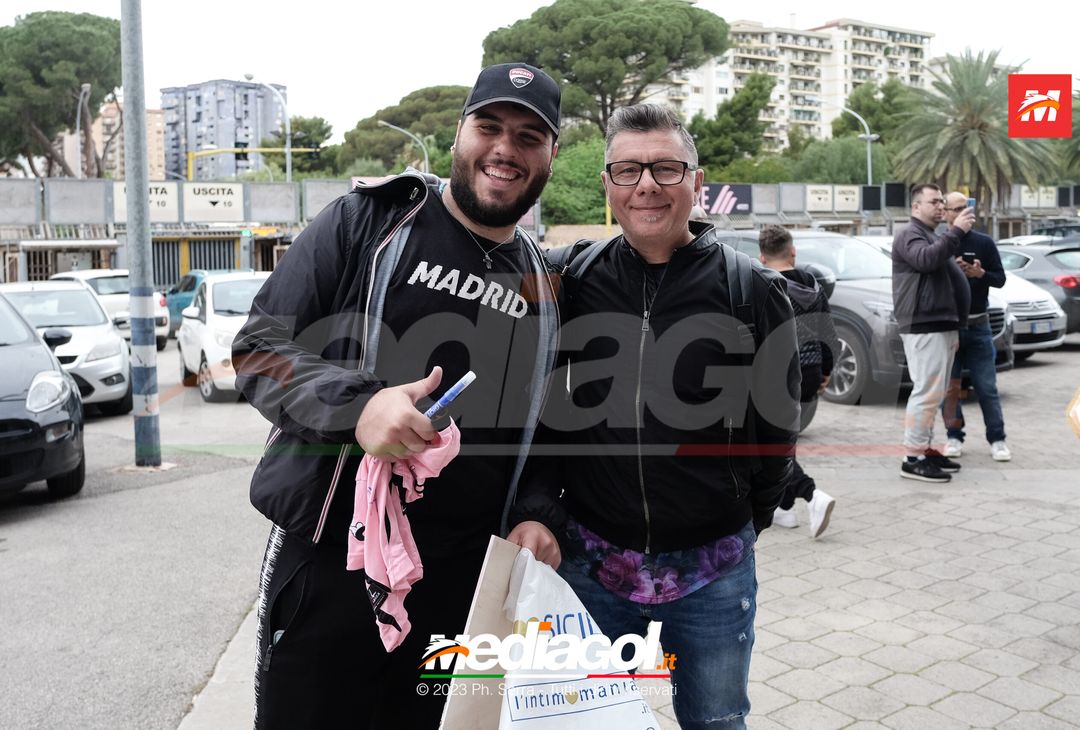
234,297
12,329
106,285
56,308
848,258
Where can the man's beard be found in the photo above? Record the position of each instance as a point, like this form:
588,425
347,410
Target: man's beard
492,216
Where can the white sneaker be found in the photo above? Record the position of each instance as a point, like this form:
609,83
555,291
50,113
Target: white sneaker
954,448
785,518
820,506
1000,451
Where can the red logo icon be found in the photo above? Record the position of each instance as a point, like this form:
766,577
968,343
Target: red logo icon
1040,105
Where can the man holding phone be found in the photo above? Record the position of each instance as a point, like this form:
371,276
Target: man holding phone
981,264
388,288
930,306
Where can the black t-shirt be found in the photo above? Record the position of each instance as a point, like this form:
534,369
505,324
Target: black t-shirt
445,307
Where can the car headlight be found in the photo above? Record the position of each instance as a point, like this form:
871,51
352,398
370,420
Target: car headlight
48,389
881,309
225,339
102,350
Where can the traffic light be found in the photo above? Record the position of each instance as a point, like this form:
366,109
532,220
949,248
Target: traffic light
241,155
314,154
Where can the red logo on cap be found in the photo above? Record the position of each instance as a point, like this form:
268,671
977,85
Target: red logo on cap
521,77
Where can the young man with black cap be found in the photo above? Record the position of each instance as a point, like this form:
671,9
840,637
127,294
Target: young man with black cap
387,298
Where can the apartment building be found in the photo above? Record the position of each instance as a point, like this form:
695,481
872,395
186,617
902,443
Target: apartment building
108,128
815,70
219,114
867,52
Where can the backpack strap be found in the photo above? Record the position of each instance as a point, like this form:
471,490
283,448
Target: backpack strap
740,270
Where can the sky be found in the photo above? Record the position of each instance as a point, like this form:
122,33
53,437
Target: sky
345,61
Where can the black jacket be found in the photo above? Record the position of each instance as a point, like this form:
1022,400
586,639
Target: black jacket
643,445
929,290
305,357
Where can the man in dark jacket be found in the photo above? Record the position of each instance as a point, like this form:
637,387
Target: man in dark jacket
389,284
981,265
930,304
667,469
817,344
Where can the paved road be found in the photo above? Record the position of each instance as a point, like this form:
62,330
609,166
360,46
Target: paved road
116,604
922,606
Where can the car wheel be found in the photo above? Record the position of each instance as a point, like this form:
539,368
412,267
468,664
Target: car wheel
851,370
1021,356
187,378
67,485
209,392
806,414
119,407
161,342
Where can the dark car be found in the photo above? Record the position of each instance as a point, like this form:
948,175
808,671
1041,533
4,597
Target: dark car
870,347
41,413
1055,268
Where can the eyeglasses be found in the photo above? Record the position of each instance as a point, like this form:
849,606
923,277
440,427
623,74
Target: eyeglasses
664,172
957,209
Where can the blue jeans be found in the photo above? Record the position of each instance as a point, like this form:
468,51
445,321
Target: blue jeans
977,355
711,631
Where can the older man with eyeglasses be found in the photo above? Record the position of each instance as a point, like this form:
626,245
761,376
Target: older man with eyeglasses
669,469
930,302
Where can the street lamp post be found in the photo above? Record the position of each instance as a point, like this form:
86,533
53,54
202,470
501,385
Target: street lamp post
288,126
869,139
412,136
84,94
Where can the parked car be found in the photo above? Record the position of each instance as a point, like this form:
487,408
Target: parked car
220,307
1054,268
96,356
870,347
1058,230
181,293
41,414
113,287
1025,240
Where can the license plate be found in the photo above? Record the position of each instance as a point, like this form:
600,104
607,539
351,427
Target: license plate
1038,328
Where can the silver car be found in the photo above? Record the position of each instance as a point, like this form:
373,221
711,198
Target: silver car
97,356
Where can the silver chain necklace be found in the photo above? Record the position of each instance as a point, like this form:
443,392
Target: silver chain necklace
487,251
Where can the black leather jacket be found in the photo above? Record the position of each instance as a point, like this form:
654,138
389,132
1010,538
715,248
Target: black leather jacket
643,447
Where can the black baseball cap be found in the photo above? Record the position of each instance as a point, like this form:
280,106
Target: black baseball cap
518,83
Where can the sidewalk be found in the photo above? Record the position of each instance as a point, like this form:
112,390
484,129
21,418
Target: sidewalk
922,606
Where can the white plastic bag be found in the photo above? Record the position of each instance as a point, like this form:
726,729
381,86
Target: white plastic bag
552,690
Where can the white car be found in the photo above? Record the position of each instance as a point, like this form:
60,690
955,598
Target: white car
96,356
113,287
216,314
1038,321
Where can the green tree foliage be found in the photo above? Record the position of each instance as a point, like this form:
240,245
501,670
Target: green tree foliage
797,141
575,194
957,135
881,107
433,111
840,161
306,132
736,131
45,58
770,169
608,52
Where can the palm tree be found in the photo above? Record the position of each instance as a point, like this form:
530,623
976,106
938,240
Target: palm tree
957,133
1070,148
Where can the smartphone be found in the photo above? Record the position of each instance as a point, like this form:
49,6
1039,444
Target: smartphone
971,202
448,397
968,257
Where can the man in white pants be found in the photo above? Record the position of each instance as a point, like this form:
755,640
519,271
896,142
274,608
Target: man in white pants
930,303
